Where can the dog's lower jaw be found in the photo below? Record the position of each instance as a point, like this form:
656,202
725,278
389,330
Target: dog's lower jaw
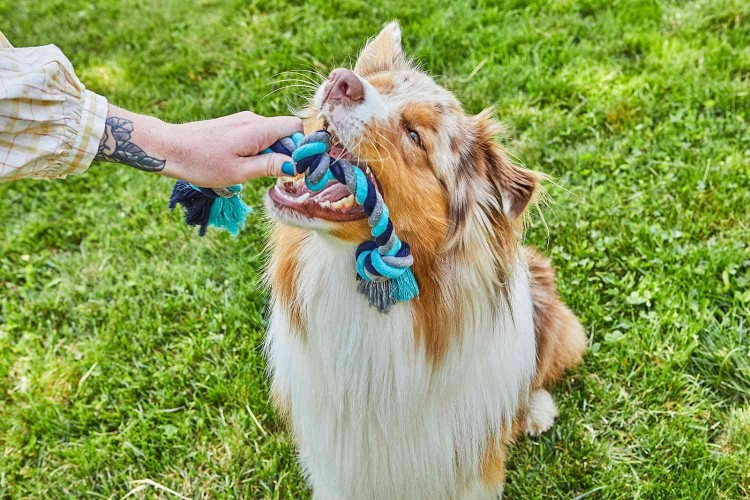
373,416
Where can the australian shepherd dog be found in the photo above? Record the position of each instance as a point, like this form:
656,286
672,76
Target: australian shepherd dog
421,402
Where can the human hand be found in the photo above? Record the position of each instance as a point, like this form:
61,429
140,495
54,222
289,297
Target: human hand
210,153
226,151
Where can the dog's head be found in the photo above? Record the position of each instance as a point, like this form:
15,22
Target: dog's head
449,186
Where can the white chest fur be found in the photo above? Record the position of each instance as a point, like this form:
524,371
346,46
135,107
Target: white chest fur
372,417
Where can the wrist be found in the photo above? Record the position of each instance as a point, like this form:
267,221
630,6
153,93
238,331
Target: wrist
154,136
174,146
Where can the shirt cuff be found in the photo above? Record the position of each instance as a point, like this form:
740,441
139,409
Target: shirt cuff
90,132
4,43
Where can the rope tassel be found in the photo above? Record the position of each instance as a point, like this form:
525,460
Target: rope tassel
221,208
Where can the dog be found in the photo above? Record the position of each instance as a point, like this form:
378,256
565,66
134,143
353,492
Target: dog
421,402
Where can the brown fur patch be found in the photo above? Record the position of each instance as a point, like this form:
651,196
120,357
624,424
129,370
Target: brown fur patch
518,187
421,116
283,271
383,82
283,409
456,143
352,232
514,185
483,178
560,339
492,471
433,326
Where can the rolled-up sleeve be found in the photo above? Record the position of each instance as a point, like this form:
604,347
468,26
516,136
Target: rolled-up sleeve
50,124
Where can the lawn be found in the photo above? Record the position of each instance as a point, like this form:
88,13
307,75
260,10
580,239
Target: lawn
130,348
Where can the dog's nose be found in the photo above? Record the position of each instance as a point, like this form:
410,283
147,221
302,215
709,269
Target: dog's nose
344,86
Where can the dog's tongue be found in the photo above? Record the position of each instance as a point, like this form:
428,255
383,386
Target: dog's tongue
333,192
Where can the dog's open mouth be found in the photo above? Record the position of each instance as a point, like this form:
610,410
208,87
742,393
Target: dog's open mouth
333,203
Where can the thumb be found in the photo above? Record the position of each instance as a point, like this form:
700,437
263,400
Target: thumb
266,165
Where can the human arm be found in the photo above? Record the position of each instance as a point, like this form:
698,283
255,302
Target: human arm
51,126
209,153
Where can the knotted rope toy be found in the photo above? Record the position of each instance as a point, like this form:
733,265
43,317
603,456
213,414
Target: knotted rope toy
383,263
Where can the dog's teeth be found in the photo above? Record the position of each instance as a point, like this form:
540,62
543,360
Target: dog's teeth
325,204
337,204
348,202
303,198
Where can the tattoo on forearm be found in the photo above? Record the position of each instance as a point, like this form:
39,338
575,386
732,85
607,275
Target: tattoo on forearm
117,147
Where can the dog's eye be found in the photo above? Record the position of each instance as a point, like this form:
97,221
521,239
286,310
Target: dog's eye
415,137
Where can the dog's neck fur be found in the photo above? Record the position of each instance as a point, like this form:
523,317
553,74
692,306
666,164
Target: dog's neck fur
369,407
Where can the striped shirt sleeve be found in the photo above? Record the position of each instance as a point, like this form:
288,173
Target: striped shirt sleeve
50,124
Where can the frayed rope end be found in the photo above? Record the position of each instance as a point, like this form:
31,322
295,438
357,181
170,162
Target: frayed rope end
197,205
405,287
378,294
383,295
204,208
229,213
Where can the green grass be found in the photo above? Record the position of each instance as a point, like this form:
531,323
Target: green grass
129,348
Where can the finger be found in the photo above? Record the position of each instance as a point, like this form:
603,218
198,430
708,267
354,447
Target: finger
266,165
277,127
245,115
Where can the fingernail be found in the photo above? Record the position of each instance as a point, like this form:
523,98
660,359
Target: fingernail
288,168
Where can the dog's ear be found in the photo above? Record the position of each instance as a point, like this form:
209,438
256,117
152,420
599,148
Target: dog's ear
382,53
515,186
489,191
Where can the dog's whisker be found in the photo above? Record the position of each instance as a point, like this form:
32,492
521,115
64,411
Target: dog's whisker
286,87
297,74
320,77
312,67
297,80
